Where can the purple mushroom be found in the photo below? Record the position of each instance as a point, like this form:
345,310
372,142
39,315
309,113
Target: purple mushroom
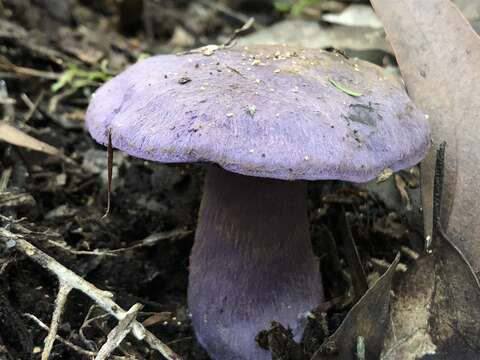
265,118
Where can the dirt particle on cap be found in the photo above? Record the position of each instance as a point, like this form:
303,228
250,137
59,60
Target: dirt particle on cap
184,80
251,110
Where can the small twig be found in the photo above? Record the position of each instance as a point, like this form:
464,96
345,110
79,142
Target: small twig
438,192
409,252
4,265
401,186
248,24
56,99
32,106
110,171
119,333
6,102
149,241
5,179
218,6
235,71
61,339
63,291
6,65
86,323
176,341
72,251
102,298
209,50
64,341
27,41
359,279
385,265
360,351
153,239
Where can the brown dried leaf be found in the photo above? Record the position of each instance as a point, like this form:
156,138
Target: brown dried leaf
367,319
439,56
436,312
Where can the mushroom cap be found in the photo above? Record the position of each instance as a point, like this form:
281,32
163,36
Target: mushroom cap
267,111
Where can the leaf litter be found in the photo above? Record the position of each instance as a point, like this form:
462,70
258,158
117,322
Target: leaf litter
436,313
150,199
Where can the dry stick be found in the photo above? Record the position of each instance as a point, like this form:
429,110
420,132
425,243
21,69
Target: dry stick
217,6
438,191
359,279
86,323
149,241
74,347
119,333
209,50
246,26
71,345
32,106
102,298
110,169
6,65
63,291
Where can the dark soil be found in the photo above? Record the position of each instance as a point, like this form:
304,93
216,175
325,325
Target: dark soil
63,201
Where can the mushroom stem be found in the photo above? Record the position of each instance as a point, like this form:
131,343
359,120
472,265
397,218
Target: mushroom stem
252,262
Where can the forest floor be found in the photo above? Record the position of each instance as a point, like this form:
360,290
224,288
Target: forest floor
53,55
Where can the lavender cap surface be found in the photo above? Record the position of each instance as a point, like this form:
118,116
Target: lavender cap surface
266,111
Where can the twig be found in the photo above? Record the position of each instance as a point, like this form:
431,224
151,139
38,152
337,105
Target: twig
102,298
153,239
5,179
119,333
359,279
86,323
64,290
401,186
360,351
110,170
209,50
409,252
217,6
6,102
6,65
438,192
248,24
70,250
32,106
28,41
64,341
149,241
61,339
381,263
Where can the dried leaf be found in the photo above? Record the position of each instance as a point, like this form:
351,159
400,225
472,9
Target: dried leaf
436,311
439,56
367,319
